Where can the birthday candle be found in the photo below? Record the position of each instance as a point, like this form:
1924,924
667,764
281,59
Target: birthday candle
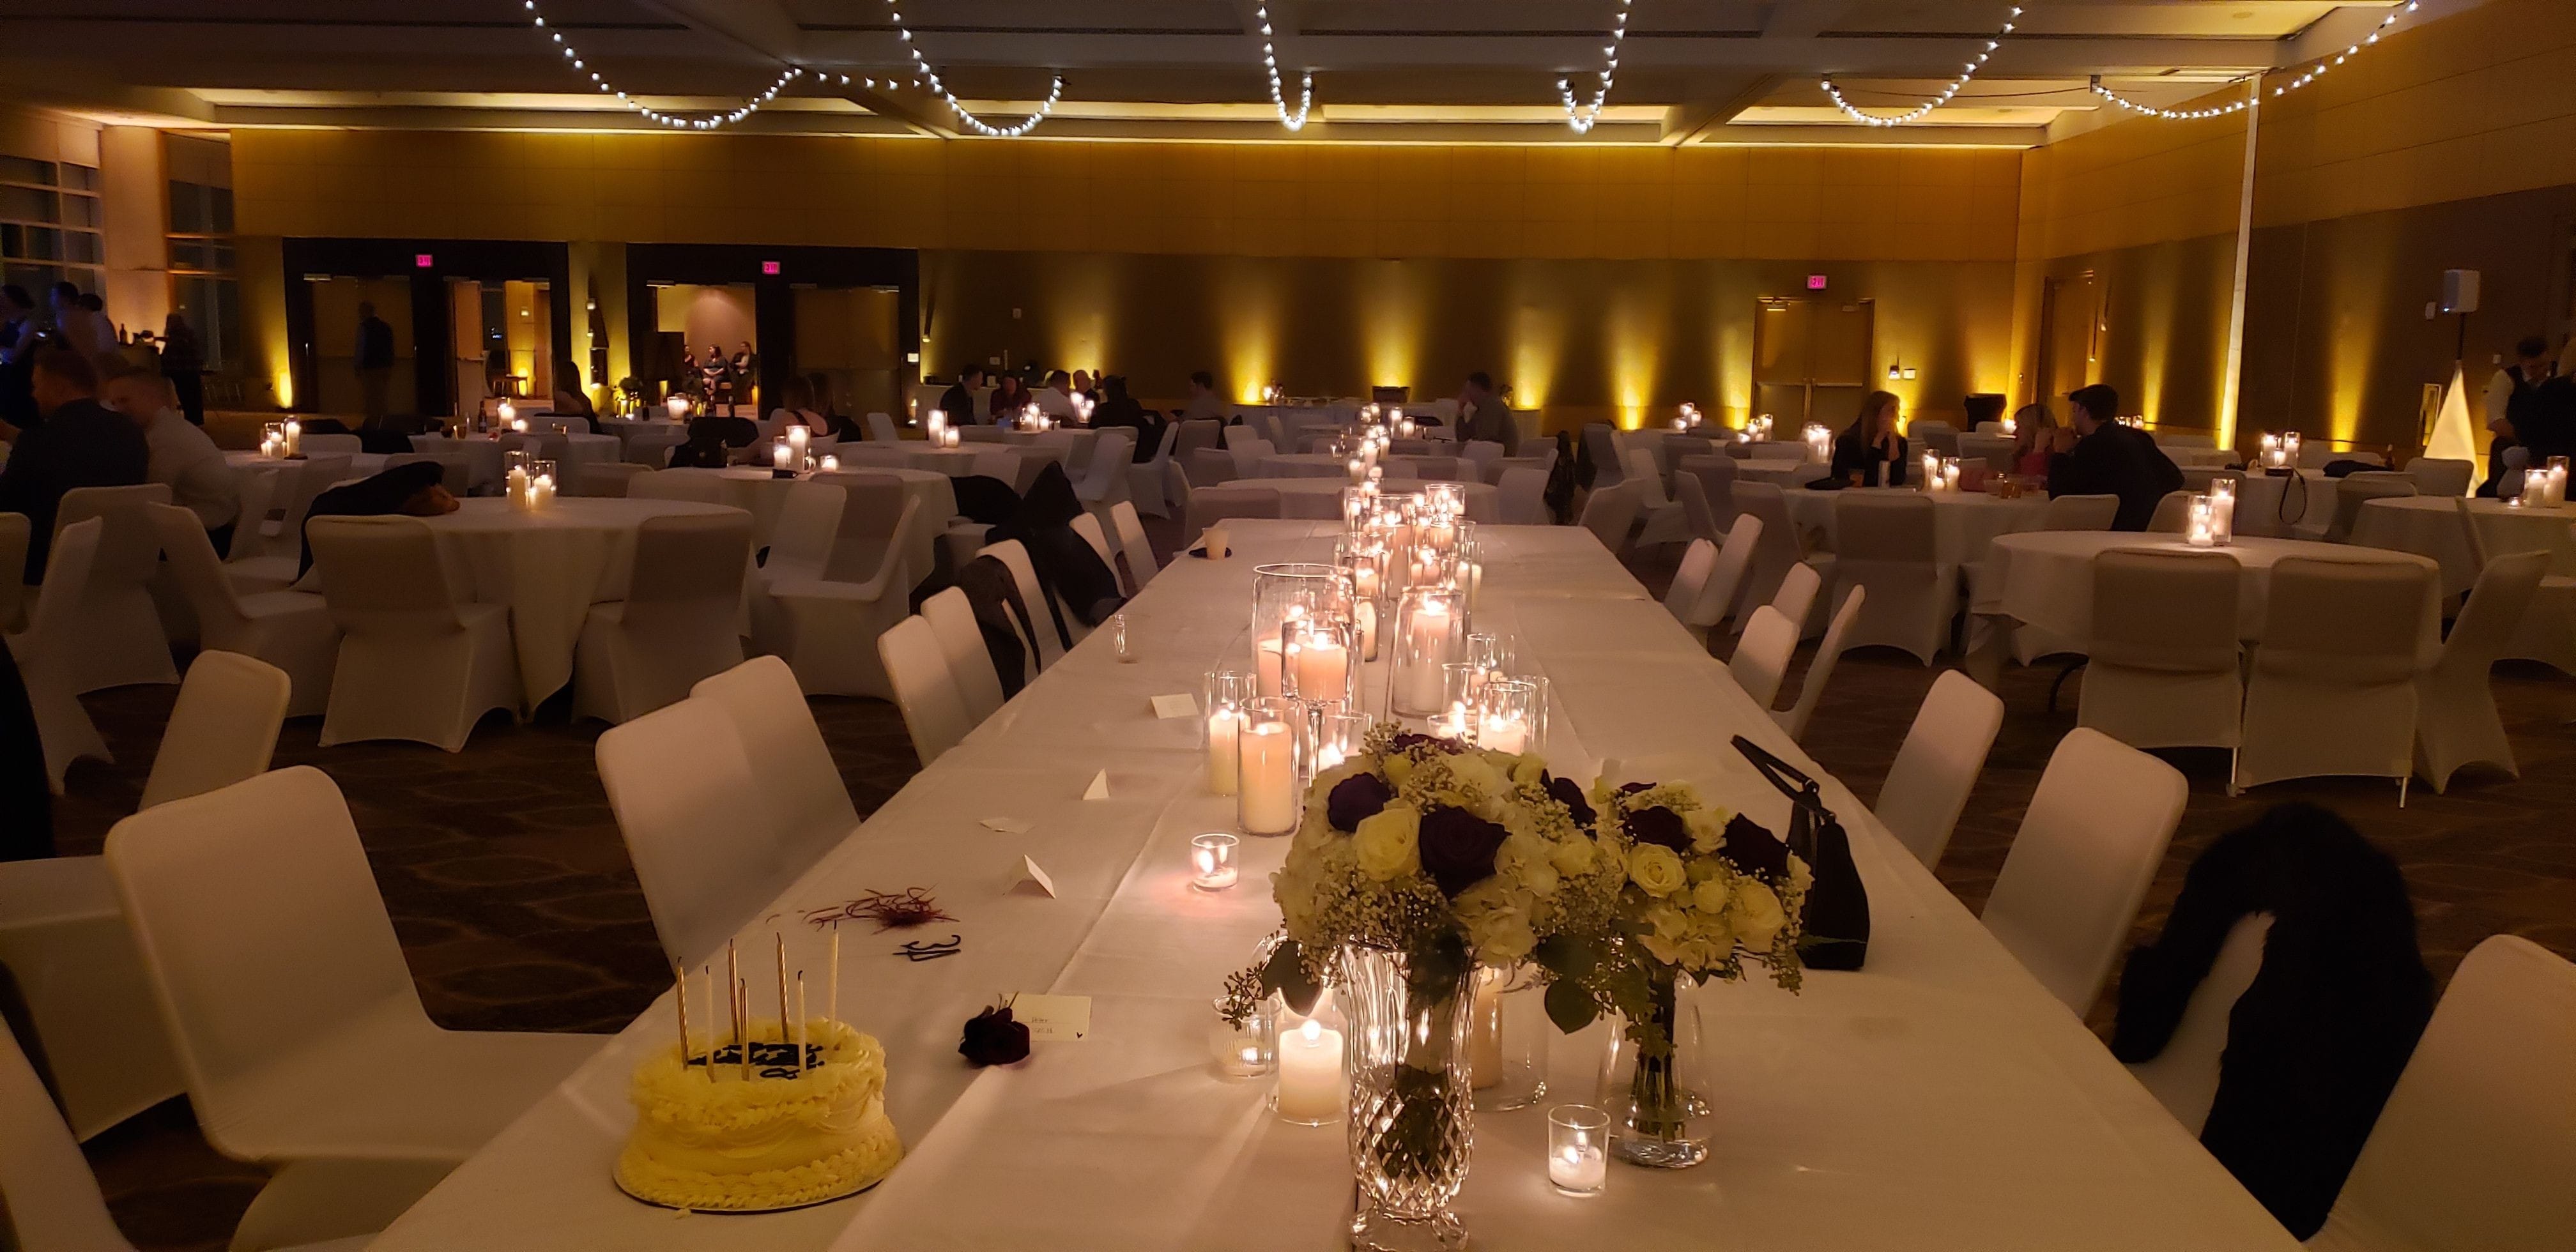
832,991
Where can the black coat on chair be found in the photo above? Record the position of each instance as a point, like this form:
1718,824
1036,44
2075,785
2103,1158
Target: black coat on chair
1066,565
26,795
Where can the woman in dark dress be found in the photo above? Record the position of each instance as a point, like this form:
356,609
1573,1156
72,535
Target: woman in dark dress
1870,452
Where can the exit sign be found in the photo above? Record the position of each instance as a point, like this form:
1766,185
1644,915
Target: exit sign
1815,282
422,260
770,268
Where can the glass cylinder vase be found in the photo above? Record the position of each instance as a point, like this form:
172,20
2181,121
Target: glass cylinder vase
1283,593
1412,1101
1430,632
1656,1120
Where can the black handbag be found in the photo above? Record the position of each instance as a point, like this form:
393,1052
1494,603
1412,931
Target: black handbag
1835,924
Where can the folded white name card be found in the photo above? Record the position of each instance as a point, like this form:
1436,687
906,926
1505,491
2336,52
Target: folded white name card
1053,1019
1176,706
1032,876
1009,825
1099,788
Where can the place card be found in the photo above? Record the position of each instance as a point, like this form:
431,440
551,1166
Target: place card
1176,706
1053,1019
1031,875
1099,788
1009,825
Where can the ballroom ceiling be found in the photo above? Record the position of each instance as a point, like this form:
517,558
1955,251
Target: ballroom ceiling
1689,71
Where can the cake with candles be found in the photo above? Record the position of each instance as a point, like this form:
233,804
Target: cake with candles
768,1124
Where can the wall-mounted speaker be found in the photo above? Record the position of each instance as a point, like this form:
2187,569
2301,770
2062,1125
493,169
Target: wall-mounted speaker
2459,291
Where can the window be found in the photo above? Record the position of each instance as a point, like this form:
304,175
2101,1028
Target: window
49,220
202,284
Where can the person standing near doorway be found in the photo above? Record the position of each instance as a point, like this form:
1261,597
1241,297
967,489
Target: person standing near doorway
183,362
375,361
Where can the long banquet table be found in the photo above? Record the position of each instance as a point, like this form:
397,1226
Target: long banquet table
1940,1099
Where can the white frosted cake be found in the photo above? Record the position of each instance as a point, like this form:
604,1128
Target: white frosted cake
706,1137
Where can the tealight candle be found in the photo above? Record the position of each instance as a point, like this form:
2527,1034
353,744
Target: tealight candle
1359,470
677,406
1212,862
1502,732
779,455
1578,1159
831,463
1310,1075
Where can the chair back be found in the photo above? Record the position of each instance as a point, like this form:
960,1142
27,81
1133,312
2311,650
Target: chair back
2088,847
1716,475
196,569
2355,490
223,728
1522,494
1611,513
688,559
1111,454
1643,471
768,712
1696,514
2476,1143
2163,610
678,484
707,847
54,1203
1778,549
1884,528
1087,525
1940,437
1997,451
1024,575
2442,476
1477,455
1762,655
303,482
1249,453
934,712
1820,671
2348,622
881,428
453,469
259,922
2183,1075
1141,565
129,548
1690,581
2172,515
1796,598
2493,613
1197,433
970,664
1601,447
51,625
382,575
1937,766
866,535
2079,513
1734,557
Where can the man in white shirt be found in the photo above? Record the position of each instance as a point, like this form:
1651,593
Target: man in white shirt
2529,370
1205,404
180,453
1056,398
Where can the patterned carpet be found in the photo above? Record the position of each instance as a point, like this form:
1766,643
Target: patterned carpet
517,908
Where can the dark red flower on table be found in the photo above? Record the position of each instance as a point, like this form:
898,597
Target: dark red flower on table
994,1037
1752,850
1458,849
1660,825
1354,800
1569,793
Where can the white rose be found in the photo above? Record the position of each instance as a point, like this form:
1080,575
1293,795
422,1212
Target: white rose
1710,897
1523,859
1656,869
1707,829
1389,844
1758,917
1572,856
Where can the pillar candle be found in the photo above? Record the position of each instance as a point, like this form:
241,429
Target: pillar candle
294,438
1323,667
1365,615
541,492
797,437
1426,644
1267,661
1310,1073
1440,534
1269,776
1221,765
778,455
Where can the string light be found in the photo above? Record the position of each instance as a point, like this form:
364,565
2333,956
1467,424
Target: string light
1055,89
1968,70
2310,75
1270,59
749,106
1582,118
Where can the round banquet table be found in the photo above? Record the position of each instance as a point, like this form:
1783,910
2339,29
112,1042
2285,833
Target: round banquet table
1964,523
1321,498
245,464
2430,526
757,492
548,566
1786,475
1325,465
955,462
2045,578
2268,505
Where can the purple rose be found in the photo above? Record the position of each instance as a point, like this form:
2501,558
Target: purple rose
1752,850
1354,800
994,1037
1458,849
1660,825
1630,789
1569,793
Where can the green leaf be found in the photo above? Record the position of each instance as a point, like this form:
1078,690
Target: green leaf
1286,974
1567,956
1570,1006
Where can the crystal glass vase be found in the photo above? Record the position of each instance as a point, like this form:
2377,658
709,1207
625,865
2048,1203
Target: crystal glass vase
1656,1120
1412,1101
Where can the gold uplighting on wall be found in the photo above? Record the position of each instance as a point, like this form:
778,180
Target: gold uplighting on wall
1391,324
1635,350
1538,344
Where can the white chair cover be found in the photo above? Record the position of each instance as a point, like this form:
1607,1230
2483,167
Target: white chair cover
414,664
1610,514
2333,681
2355,490
1734,557
970,665
223,728
2164,670
64,943
934,713
1249,453
2088,846
1105,478
2456,719
881,428
2172,515
1208,467
1479,456
1886,543
650,445
1024,574
678,623
1796,598
45,652
1601,445
1132,543
708,847
291,630
604,478
1522,495
1690,582
1779,547
1146,479
1697,517
1820,671
2184,1075
2079,513
1762,655
825,625
121,639
2442,476
806,801
1936,767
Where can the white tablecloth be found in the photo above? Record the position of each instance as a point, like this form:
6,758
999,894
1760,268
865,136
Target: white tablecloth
1939,1100
1322,465
1963,522
1321,498
957,462
245,465
2046,579
763,494
2430,526
1786,475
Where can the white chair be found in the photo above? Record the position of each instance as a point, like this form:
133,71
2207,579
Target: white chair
1132,544
1886,544
1208,467
2079,513
1087,525
881,428
2456,719
2442,476
1602,446
961,640
1522,496
677,485
2333,680
650,445
297,1027
414,664
1780,547
1820,671
1716,475
1049,645
1690,584
824,623
14,529
677,624
709,849
1796,598
1000,464
121,639
2350,493
2183,1076
277,549
1478,456
45,651
1928,783
810,807
1250,454
2088,846
1610,514
2165,654
1996,451
87,1000
1734,557
934,713
223,728
1146,479
1661,519
2172,515
2476,1143
291,630
1105,478
1698,518
1762,655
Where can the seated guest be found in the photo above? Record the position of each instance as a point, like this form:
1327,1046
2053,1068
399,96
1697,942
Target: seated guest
179,453
819,385
2097,456
1870,453
1205,404
78,444
1010,395
1483,415
415,490
958,402
1056,398
2034,432
1117,408
711,439
796,406
1083,385
571,400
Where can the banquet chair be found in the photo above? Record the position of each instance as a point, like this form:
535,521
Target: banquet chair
453,471
46,649
1936,436
2165,667
301,1037
598,479
1610,514
1779,548
14,529
822,622
1660,517
1475,457
1105,478
1820,671
1208,467
414,663
1087,525
808,805
1147,479
1761,657
1543,460
1996,451
961,639
2079,513
1198,433
1522,495
2476,1143
1049,645
677,484
1796,598
2088,847
934,712
677,623
1132,543
291,630
1690,586
1936,767
1715,601
1203,507
2183,1074
277,553
997,463
710,843
2353,491
122,642
1250,453
222,729
1697,517
650,445
82,995
2442,476
2333,688
1887,544
881,428
2456,719
2172,515
333,445
1715,473
1601,447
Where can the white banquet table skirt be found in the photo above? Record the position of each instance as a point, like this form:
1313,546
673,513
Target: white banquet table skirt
1964,523
1939,1100
2430,526
549,566
1321,498
2045,579
762,494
